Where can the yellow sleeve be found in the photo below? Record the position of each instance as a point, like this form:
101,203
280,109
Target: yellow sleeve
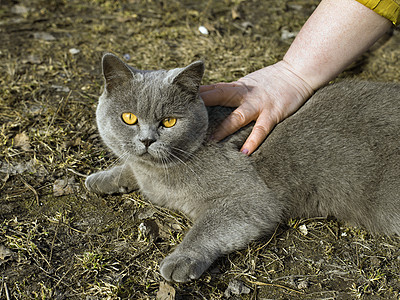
390,9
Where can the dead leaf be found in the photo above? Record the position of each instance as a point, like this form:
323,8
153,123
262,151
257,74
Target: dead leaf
65,186
236,287
71,143
20,9
5,253
165,292
19,168
32,59
235,13
21,140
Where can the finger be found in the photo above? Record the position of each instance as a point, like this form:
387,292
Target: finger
240,117
224,95
206,88
260,131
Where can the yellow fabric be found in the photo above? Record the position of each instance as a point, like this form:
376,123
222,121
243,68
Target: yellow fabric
390,9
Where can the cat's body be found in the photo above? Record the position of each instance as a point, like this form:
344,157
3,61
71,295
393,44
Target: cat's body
338,155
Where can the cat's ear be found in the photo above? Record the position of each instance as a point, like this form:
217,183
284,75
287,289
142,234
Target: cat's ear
189,77
115,72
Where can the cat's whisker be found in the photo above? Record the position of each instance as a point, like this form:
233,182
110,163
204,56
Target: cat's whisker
100,179
185,164
123,157
165,168
194,159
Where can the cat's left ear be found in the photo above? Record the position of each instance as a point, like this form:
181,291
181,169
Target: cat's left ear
189,77
115,72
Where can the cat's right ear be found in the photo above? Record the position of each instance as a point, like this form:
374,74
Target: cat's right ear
115,72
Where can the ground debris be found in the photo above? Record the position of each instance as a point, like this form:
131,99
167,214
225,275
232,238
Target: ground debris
60,88
17,168
74,51
45,36
65,186
236,287
165,292
303,229
21,140
149,228
5,253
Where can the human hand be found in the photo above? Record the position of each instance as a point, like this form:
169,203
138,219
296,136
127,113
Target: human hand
266,96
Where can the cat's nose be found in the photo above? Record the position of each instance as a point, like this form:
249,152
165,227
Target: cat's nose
147,142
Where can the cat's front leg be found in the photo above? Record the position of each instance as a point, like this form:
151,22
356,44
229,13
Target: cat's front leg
118,179
219,231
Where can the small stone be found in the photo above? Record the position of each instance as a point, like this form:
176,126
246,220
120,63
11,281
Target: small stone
303,229
19,9
286,34
295,6
246,25
60,88
302,285
127,56
74,51
203,30
45,36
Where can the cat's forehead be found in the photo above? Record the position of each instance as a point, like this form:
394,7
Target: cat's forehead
151,95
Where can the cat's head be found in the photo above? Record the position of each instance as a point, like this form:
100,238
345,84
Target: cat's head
151,116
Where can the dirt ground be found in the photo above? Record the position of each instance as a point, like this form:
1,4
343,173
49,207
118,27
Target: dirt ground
58,241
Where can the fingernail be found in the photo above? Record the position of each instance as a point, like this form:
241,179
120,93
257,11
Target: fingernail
245,151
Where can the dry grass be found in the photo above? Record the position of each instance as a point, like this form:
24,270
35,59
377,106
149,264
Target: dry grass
81,246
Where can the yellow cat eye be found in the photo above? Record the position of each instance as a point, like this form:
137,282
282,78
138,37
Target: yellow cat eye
129,118
168,122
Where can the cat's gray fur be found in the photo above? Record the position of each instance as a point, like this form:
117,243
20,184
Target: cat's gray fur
338,155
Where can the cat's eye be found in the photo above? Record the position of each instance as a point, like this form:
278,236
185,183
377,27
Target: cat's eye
129,118
168,122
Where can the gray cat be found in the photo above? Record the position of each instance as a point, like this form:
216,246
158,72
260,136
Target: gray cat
338,155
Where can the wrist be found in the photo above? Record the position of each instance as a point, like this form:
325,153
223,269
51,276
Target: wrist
293,81
333,37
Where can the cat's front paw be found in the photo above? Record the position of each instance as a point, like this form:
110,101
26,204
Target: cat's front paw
182,268
100,183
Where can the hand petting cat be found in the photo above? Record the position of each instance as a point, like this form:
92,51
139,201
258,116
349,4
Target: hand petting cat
266,96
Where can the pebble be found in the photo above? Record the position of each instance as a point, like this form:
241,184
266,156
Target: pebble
302,285
45,36
303,229
74,51
286,34
203,30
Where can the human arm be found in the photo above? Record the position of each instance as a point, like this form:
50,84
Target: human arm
334,36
